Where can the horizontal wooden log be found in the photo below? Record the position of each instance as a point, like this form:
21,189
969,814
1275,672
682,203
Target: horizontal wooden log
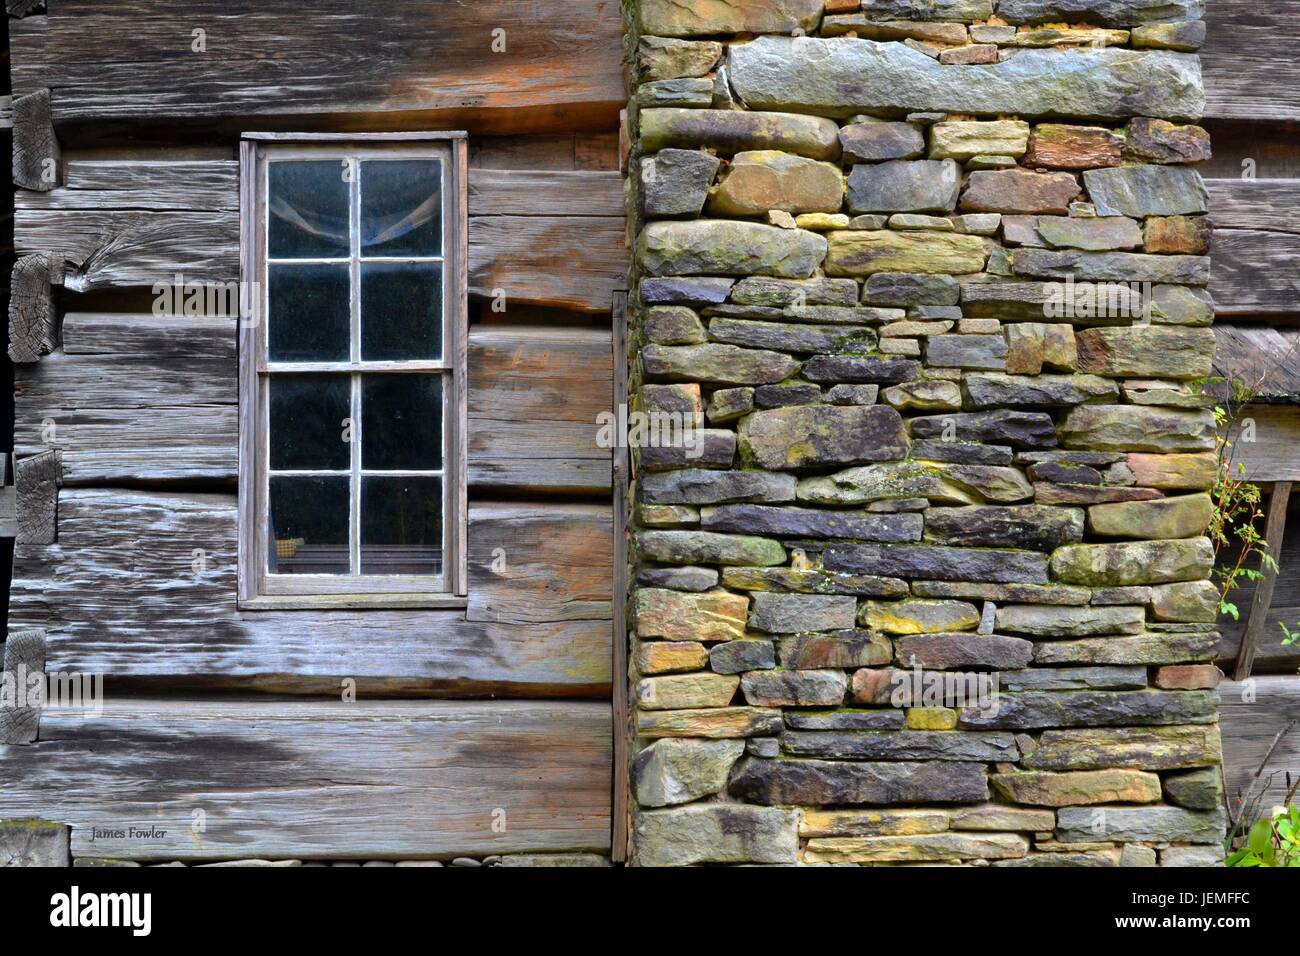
138,398
1251,715
522,192
1274,452
301,780
1247,62
1255,267
1263,360
573,262
142,584
540,563
534,396
409,64
552,238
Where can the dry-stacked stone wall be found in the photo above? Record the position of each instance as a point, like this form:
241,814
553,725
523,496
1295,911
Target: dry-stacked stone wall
927,579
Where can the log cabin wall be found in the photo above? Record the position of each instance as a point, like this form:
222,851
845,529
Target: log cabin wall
475,731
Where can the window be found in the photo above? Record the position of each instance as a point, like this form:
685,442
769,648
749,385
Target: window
352,371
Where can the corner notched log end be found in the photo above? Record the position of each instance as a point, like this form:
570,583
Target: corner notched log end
38,478
33,323
24,655
38,159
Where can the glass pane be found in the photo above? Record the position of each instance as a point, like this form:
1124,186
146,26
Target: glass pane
401,422
401,208
309,525
401,525
401,311
307,413
310,313
308,210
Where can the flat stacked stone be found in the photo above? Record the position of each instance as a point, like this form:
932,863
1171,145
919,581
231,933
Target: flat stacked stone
932,583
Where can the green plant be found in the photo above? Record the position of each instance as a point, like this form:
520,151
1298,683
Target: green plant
1272,842
1234,521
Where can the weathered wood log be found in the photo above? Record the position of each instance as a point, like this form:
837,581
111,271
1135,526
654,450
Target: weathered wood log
37,157
1251,715
20,8
523,192
157,572
550,238
1246,62
37,481
534,397
623,730
33,321
24,656
369,779
573,262
1273,454
491,66
529,564
1263,360
137,397
1256,246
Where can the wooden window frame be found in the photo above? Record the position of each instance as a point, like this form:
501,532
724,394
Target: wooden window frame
259,590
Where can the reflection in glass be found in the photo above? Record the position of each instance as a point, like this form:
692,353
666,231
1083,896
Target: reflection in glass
307,422
401,208
401,422
401,525
310,314
308,525
308,210
401,311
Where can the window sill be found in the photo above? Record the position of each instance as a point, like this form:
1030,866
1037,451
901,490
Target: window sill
353,602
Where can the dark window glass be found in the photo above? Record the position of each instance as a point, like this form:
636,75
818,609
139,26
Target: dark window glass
308,210
307,413
401,311
401,422
309,525
310,314
401,525
401,208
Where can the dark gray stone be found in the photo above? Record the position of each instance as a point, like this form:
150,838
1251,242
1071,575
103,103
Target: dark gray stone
826,782
675,182
701,487
813,523
901,745
737,657
792,613
938,563
1035,709
1036,527
1004,427
922,185
910,289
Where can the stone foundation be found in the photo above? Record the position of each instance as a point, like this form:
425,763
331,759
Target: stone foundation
925,578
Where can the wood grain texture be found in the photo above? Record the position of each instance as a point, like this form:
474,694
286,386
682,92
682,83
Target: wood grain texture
534,397
142,584
529,564
24,655
1251,714
1263,359
334,64
137,397
37,157
1255,266
545,237
1274,454
369,780
36,482
574,262
623,731
1248,62
33,320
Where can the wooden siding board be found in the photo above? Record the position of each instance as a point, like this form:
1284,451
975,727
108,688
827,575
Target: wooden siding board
368,780
142,584
334,64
